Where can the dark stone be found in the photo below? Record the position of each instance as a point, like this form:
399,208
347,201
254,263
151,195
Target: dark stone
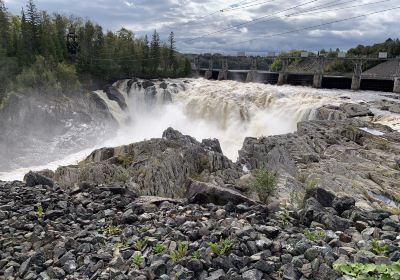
34,179
115,95
324,197
203,193
195,265
342,204
213,145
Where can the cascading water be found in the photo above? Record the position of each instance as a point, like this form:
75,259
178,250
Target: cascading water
226,110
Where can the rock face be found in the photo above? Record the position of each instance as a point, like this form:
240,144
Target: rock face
161,167
108,232
344,155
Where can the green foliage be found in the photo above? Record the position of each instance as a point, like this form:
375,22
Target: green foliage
139,244
180,252
311,184
284,217
159,248
314,235
220,248
370,271
265,184
196,255
137,260
35,52
39,211
112,230
379,249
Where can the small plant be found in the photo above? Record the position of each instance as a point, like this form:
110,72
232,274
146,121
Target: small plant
123,176
265,184
370,271
139,245
39,211
112,230
137,260
314,235
125,160
158,248
180,252
284,217
220,248
196,255
378,249
311,184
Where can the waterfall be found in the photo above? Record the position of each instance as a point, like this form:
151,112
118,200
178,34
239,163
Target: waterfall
226,110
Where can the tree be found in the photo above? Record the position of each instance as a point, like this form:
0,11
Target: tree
4,27
33,20
171,52
155,52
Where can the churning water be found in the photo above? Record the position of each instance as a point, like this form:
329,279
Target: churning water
226,110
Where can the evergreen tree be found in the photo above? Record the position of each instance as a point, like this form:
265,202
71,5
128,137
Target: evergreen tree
33,21
172,50
155,51
4,27
146,54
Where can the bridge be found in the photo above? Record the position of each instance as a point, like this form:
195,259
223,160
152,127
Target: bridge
383,77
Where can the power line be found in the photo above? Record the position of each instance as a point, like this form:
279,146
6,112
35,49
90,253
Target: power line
250,21
338,9
323,6
318,25
247,6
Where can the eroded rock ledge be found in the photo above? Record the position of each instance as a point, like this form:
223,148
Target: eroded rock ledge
339,151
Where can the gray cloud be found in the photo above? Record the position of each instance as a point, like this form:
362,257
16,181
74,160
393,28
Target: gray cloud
188,19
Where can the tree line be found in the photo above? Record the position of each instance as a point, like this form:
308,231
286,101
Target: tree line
38,51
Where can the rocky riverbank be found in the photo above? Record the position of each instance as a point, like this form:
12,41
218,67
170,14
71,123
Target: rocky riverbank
177,208
108,232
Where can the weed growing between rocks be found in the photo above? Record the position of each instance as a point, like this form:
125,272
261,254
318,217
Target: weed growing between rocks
370,271
265,184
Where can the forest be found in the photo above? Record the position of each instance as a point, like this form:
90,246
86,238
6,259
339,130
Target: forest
60,53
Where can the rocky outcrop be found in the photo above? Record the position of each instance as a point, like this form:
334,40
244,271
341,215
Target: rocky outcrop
344,155
115,95
108,232
161,167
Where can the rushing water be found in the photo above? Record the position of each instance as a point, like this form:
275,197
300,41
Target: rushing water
226,110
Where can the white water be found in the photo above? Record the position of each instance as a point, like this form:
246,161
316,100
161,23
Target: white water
226,110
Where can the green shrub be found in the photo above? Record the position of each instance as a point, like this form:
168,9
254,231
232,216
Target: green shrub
196,255
265,184
137,260
220,248
378,249
370,271
159,248
180,252
139,244
112,230
39,211
314,235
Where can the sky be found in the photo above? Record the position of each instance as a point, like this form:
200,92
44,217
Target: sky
202,26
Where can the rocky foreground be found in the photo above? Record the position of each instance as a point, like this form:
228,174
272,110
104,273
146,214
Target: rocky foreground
108,232
177,208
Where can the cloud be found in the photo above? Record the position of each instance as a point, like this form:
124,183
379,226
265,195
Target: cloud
195,18
130,4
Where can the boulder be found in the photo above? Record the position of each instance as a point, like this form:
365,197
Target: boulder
115,95
33,179
203,193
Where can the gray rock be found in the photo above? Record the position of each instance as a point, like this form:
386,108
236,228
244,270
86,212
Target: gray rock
253,274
